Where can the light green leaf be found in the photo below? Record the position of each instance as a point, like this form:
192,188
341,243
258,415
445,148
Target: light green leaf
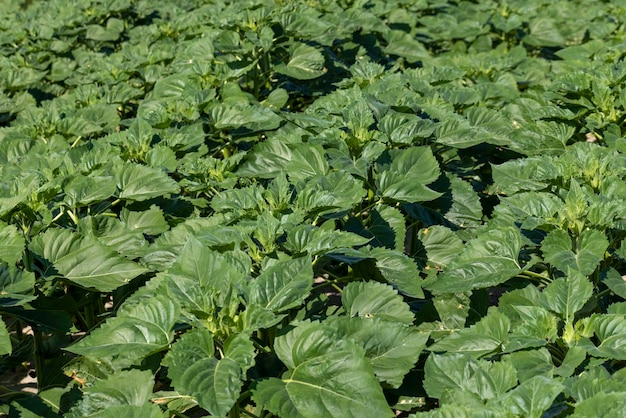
124,388
525,174
305,63
140,330
532,398
138,182
615,282
194,370
566,296
531,363
13,244
486,336
5,340
610,330
398,270
584,255
16,286
601,405
405,177
375,300
448,371
84,260
84,190
343,379
392,348
207,268
466,210
441,244
453,309
151,221
488,260
315,240
282,286
330,194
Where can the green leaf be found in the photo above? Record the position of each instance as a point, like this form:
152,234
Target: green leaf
453,309
533,397
584,255
151,221
305,63
399,270
566,296
615,282
194,370
330,194
610,330
13,244
447,371
142,329
441,244
16,286
343,379
488,335
488,260
466,210
525,174
5,340
601,405
385,225
531,363
392,348
282,286
315,241
138,182
84,260
85,190
375,300
405,177
125,388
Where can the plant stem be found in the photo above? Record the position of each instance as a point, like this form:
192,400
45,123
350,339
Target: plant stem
39,360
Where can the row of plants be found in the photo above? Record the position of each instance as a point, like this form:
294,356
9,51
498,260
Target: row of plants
323,208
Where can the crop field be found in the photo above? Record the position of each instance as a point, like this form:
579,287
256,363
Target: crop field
301,208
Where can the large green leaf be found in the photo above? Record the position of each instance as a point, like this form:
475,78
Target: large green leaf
392,348
13,244
488,335
441,244
488,260
566,296
405,177
142,329
194,369
583,255
305,62
84,260
601,405
282,286
399,270
344,380
151,221
5,340
331,194
452,375
125,388
85,190
532,398
138,182
375,300
16,286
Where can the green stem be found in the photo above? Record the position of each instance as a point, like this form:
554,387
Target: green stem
90,317
248,413
39,360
